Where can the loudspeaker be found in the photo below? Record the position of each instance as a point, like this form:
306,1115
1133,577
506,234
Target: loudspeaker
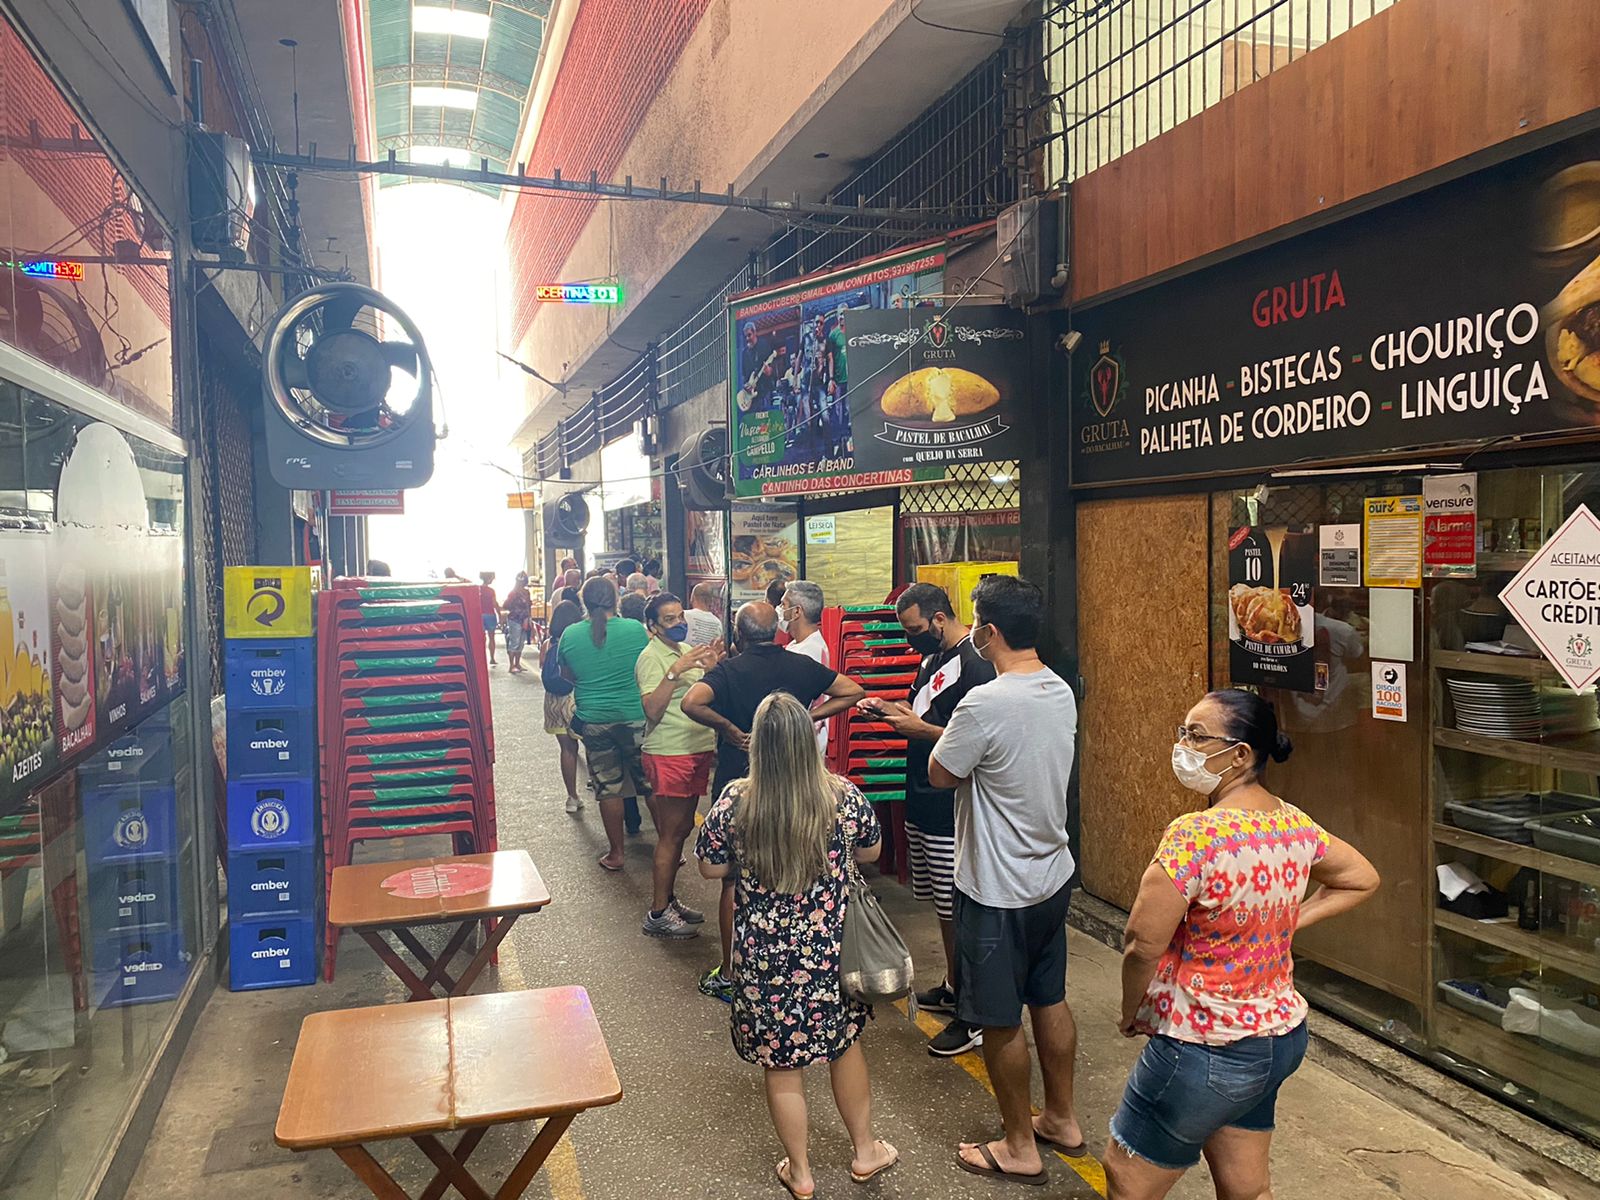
222,193
703,469
346,406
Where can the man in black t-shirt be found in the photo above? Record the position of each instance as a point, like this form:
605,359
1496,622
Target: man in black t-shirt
950,669
726,700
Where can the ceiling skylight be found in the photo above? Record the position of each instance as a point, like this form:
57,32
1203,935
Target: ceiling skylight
442,156
427,96
431,18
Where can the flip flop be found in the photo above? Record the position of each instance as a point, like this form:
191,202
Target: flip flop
783,1165
868,1177
995,1171
1077,1151
603,867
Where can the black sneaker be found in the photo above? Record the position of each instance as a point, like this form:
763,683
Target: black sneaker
940,1000
955,1038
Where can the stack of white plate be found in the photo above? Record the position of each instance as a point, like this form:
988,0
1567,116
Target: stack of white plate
1517,708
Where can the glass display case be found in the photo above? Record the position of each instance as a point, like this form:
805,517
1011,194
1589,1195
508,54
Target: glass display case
1515,792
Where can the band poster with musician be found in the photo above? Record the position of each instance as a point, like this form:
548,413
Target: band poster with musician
789,374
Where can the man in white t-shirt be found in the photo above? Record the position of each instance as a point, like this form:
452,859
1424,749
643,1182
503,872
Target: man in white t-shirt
802,610
1007,750
704,613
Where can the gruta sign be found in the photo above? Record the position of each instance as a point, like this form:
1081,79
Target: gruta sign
1456,315
1556,598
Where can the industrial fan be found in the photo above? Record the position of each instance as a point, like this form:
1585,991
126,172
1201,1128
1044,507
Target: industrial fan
567,520
347,406
703,469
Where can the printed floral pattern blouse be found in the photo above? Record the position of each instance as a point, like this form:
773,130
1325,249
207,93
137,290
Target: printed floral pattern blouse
788,1009
1228,973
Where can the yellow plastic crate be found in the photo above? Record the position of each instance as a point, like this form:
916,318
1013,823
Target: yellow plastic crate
958,580
267,602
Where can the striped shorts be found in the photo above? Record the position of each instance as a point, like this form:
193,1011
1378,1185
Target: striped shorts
933,869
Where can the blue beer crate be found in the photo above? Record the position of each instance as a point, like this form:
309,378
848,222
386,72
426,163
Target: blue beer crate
143,755
273,884
270,673
271,814
127,896
272,953
275,742
139,966
127,821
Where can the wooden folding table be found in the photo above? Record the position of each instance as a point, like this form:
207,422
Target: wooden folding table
464,1064
379,899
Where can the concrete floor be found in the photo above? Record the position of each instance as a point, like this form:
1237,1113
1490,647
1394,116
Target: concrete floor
693,1122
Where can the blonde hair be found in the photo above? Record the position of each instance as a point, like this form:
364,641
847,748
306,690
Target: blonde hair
790,803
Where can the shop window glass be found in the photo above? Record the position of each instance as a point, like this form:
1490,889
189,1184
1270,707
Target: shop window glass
98,852
857,565
86,275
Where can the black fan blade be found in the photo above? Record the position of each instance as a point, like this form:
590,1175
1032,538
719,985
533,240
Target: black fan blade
339,312
293,367
400,354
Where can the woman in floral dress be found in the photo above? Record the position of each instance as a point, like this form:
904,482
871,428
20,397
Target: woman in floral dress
788,833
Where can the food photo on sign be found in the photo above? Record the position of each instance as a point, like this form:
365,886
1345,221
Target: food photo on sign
1272,573
937,388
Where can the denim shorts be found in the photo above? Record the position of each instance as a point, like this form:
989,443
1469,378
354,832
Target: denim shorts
1181,1093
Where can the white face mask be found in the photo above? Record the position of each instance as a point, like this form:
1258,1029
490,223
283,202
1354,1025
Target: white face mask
1189,765
783,622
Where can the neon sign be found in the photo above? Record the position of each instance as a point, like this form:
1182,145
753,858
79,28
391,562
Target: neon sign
579,293
49,269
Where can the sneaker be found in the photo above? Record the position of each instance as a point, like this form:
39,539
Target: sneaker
716,985
940,1000
574,804
691,916
955,1038
668,925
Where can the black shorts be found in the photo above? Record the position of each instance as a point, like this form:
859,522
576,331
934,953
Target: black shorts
1010,957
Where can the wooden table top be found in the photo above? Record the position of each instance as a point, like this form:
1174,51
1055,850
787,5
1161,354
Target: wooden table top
400,1070
416,890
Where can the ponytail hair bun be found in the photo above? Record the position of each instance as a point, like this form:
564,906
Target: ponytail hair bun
1251,721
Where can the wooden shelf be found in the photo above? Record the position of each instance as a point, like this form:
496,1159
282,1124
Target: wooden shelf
1525,856
1550,949
1555,1074
1570,752
1494,664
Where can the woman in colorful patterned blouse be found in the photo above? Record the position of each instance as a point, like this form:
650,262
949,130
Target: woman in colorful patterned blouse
1207,970
788,833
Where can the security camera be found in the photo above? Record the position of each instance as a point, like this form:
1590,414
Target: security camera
1069,342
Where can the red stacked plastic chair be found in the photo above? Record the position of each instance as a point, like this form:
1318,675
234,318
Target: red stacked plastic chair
407,734
868,644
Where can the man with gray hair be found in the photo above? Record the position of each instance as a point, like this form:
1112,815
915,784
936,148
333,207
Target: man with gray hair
704,613
639,582
726,700
802,611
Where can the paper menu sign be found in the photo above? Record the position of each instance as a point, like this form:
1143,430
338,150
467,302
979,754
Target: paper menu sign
1450,525
1556,599
1339,555
1393,536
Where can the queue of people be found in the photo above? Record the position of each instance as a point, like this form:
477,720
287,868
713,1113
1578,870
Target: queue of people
662,707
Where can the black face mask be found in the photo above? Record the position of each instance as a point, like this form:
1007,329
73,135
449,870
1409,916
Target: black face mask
927,642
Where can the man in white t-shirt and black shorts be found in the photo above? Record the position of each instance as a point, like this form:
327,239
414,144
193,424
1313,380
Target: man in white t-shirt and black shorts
1008,752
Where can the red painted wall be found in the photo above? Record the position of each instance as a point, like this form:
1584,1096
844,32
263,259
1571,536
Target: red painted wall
609,74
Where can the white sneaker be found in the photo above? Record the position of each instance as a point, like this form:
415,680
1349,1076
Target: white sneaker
574,804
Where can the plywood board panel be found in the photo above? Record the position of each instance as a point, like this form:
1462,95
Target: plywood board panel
1143,578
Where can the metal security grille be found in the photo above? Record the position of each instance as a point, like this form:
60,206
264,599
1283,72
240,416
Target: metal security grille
968,487
224,488
1121,72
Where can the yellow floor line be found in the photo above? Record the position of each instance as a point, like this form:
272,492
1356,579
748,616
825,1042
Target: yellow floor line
561,1168
1087,1167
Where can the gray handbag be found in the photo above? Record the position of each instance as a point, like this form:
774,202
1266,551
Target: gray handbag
874,964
